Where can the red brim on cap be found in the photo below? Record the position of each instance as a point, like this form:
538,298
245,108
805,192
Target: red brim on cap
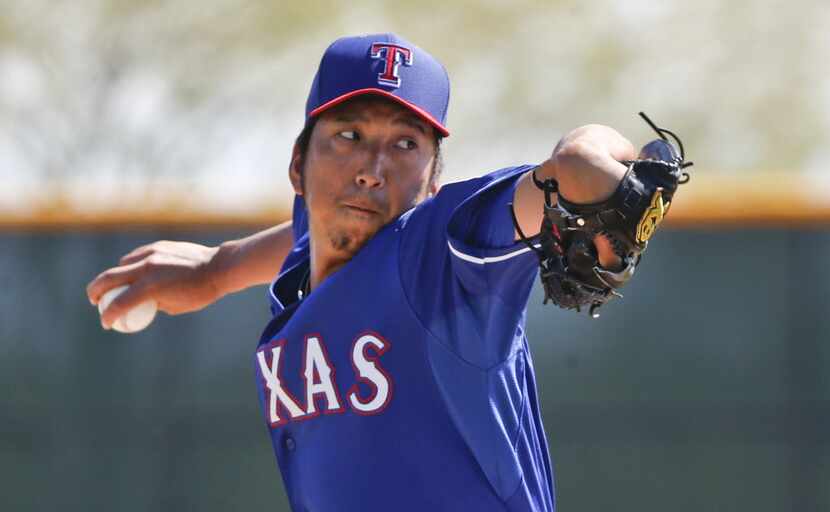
426,116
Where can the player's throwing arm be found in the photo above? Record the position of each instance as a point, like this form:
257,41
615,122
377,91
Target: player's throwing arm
182,277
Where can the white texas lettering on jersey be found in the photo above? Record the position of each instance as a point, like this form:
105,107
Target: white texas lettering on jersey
277,394
318,376
316,363
371,373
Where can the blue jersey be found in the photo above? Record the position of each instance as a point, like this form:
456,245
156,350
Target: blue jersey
404,381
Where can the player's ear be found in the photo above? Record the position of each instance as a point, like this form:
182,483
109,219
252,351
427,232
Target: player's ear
295,170
433,188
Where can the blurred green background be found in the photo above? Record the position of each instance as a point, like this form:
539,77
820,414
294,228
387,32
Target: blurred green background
706,388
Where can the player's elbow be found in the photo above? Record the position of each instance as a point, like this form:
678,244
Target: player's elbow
575,153
592,143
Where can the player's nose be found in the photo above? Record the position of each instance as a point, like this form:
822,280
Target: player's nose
372,172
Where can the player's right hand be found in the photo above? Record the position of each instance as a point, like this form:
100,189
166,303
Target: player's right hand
178,275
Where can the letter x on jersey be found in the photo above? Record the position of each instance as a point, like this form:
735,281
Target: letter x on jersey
393,56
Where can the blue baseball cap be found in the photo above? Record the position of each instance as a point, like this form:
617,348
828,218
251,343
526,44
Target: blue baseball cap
384,65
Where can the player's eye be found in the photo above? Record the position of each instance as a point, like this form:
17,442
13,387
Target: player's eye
349,134
406,144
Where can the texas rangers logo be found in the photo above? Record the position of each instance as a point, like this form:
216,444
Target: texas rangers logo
393,56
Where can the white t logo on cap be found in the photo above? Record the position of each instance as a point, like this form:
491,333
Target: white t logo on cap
394,56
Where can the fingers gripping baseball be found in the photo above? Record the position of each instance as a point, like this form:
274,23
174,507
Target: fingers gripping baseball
177,275
139,253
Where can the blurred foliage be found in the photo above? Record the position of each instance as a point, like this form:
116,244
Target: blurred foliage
101,99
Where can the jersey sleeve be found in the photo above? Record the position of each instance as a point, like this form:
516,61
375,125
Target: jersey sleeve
463,273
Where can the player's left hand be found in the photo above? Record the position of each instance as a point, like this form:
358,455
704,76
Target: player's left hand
609,204
586,164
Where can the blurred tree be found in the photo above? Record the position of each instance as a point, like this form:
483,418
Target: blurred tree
106,102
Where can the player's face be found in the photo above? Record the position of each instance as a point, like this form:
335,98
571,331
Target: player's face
368,161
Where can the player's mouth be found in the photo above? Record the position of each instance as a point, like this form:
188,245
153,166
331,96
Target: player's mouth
362,208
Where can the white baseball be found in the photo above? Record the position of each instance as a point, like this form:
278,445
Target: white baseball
133,320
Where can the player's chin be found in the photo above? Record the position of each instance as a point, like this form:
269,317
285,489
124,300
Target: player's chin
349,237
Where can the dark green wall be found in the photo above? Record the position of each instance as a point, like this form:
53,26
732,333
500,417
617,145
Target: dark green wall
706,388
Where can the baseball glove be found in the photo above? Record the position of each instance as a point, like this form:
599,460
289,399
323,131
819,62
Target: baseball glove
570,270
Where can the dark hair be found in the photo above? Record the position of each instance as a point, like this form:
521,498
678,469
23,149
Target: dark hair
304,139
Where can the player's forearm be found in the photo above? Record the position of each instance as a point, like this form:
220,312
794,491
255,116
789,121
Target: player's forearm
253,260
586,163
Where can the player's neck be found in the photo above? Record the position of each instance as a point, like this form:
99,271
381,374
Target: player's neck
323,264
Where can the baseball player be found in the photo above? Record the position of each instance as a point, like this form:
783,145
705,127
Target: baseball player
395,373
